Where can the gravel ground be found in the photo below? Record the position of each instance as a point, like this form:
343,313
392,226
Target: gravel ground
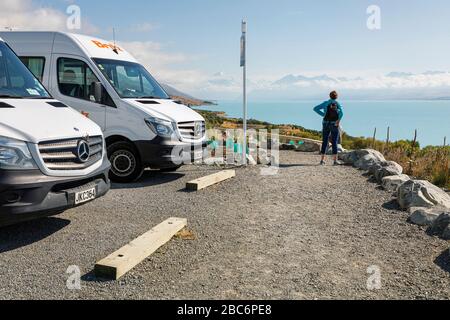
307,233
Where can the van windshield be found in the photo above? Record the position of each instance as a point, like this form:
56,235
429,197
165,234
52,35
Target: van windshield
131,80
16,81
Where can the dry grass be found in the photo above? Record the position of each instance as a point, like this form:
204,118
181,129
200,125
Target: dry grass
185,234
431,163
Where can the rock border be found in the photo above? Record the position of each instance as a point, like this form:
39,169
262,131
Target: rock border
428,205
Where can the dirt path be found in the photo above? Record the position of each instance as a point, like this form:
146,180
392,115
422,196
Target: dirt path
309,232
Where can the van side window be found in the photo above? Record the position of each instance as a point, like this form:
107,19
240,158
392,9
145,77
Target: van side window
76,79
35,65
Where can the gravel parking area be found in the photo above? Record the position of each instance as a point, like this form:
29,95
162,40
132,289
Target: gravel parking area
309,232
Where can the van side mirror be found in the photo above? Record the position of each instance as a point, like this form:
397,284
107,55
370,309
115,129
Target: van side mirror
98,92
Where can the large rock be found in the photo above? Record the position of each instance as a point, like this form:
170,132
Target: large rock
309,146
441,226
368,159
387,169
348,157
214,162
392,183
423,216
363,159
419,193
286,146
263,157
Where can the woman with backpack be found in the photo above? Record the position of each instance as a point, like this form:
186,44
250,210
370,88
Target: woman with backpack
332,114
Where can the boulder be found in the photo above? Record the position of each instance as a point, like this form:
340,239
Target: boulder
348,157
363,159
309,146
374,168
424,216
263,157
392,183
446,234
419,193
363,152
387,169
214,161
286,146
441,226
373,157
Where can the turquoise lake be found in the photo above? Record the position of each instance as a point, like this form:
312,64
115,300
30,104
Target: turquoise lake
430,118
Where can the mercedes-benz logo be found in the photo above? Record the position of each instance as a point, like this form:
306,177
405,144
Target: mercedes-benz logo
83,151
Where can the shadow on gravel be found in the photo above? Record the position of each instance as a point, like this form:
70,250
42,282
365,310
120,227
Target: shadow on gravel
149,179
90,277
26,233
392,205
298,165
443,261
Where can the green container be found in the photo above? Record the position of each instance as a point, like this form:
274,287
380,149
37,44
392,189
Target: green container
229,143
237,148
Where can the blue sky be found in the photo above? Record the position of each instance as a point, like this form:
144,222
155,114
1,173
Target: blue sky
200,38
287,35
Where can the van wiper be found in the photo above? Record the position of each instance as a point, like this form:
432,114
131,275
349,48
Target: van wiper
149,97
8,96
152,97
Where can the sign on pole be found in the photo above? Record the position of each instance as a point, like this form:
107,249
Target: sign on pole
244,66
243,44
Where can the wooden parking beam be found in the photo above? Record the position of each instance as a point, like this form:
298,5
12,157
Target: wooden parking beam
123,260
210,180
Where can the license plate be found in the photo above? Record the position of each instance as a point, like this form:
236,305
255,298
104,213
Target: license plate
85,196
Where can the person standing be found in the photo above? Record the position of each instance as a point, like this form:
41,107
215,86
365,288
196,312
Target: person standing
332,113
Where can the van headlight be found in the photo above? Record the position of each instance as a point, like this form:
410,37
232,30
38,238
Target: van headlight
160,127
15,155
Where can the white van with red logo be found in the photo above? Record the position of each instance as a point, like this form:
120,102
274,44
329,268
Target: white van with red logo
143,127
51,157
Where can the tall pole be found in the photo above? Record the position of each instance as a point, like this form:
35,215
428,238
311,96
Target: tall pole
244,81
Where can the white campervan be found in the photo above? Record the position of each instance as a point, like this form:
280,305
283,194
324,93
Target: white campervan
143,127
51,157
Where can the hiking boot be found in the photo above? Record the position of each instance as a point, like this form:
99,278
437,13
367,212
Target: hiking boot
337,163
322,163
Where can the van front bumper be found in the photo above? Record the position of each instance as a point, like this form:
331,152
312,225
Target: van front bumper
29,194
161,153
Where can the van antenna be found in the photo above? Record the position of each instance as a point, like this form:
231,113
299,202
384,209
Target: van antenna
114,39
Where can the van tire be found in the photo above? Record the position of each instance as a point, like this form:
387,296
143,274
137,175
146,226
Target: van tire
125,161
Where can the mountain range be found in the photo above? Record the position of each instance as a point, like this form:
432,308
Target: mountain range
393,85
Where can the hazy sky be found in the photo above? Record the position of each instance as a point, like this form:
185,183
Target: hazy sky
186,42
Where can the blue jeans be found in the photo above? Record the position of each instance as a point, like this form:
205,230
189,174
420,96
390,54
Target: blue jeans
330,128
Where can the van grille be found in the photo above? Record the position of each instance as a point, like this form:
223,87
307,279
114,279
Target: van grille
63,154
192,130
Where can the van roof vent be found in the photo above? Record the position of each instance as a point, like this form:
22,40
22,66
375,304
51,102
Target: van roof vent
148,101
4,105
57,104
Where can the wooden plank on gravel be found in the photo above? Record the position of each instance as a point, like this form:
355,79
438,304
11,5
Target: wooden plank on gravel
210,180
123,260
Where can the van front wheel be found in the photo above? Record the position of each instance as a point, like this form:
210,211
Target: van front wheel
125,162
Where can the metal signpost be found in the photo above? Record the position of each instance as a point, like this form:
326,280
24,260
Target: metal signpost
244,68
